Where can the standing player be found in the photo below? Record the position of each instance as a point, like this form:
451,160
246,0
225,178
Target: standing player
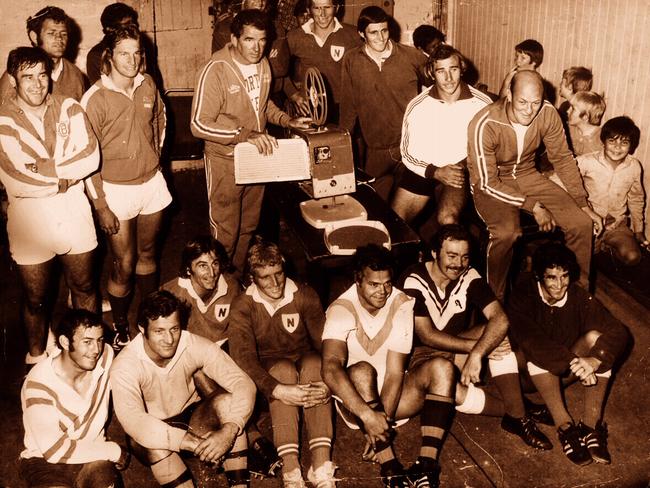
46,147
129,192
366,341
48,29
65,402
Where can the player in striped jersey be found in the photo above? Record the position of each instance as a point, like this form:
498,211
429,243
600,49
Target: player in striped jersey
65,401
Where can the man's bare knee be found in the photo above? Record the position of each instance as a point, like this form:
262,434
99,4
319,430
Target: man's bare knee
440,376
364,378
591,337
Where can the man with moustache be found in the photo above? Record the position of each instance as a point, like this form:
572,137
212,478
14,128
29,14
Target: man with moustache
48,29
434,140
503,138
231,105
65,401
448,291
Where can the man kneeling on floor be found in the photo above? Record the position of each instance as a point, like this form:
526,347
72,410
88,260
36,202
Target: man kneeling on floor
65,400
447,290
366,341
158,404
276,330
564,335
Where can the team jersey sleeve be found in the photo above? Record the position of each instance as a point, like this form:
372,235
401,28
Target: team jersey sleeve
401,336
416,139
313,315
93,104
348,115
480,293
339,323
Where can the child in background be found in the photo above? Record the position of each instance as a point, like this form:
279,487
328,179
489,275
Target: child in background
574,79
583,119
612,178
529,55
426,38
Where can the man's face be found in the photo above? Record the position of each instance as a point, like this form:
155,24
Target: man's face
526,101
377,36
566,91
249,47
32,84
270,281
162,337
53,38
555,283
446,73
374,288
86,347
323,11
126,58
616,149
453,258
205,272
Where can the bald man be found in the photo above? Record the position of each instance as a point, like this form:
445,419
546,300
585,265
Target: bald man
503,139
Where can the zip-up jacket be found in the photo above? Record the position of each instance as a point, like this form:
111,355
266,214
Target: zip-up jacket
31,167
222,112
494,159
130,130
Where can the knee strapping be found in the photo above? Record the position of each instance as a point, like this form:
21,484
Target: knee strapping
474,401
506,365
184,477
535,370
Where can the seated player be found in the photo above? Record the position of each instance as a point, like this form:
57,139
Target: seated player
614,183
206,287
564,334
447,291
434,140
208,290
158,405
64,445
47,146
366,341
583,118
275,337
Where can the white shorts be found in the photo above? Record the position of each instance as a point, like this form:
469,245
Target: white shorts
129,201
41,228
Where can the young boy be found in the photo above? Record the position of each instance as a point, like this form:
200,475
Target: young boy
585,112
612,178
529,54
574,80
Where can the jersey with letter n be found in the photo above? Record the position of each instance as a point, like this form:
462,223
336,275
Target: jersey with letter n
450,309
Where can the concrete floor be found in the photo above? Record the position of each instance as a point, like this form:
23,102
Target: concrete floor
477,452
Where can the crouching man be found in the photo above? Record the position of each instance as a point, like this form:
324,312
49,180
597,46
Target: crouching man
564,335
158,404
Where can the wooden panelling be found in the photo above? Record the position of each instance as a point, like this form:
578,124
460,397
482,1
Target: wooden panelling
610,37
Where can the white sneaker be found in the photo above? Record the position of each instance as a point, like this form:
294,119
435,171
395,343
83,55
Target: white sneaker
293,479
323,477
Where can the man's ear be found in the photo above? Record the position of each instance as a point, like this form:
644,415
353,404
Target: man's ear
64,342
233,39
12,81
434,254
33,37
141,329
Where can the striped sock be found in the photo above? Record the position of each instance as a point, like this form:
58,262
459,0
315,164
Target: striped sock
435,421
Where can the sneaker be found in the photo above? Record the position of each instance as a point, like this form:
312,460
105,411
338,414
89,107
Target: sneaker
323,477
573,446
596,442
263,459
538,412
121,337
424,473
394,476
293,479
527,430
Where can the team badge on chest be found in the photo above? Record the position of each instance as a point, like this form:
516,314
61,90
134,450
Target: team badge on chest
290,321
337,52
62,129
221,312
